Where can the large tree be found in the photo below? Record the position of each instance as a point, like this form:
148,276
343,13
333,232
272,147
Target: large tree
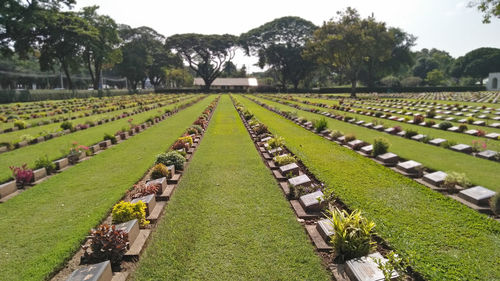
102,51
490,8
279,44
477,64
206,55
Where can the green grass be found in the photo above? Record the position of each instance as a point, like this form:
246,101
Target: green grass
479,171
445,239
45,226
228,220
58,147
54,127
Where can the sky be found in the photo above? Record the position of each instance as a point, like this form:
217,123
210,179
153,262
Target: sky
448,25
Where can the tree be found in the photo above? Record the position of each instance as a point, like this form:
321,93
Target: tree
178,78
477,63
411,81
103,50
205,54
490,8
390,81
423,66
435,77
61,41
280,44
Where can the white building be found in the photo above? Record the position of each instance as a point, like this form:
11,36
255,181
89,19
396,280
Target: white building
229,83
493,82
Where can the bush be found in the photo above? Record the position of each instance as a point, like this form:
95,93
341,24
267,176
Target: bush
66,125
353,234
111,138
171,158
410,133
106,243
470,120
143,189
454,178
20,124
495,204
350,137
417,119
448,144
160,171
126,211
276,142
380,146
462,128
284,159
430,123
261,129
23,174
320,125
431,113
336,134
194,129
247,115
445,125
44,162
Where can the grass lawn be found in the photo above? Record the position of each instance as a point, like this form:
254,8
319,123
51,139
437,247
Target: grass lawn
53,127
479,171
58,147
45,225
228,220
444,239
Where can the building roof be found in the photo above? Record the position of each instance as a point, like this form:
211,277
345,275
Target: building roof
249,82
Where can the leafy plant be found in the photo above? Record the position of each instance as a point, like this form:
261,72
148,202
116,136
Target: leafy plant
350,137
455,178
143,189
284,159
126,211
380,146
336,134
261,129
352,234
445,125
417,119
448,144
410,133
320,125
20,124
462,128
66,125
247,114
276,142
160,171
106,243
298,190
393,264
171,158
23,174
111,138
479,145
44,162
495,204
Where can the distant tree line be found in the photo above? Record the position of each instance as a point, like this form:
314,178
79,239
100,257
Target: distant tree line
38,38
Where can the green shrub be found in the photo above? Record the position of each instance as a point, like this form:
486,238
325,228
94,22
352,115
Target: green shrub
284,159
445,125
462,128
171,158
247,115
350,137
106,243
336,134
66,125
410,133
380,146
495,204
20,124
44,162
111,138
276,142
470,120
160,171
394,263
126,211
320,125
454,178
353,234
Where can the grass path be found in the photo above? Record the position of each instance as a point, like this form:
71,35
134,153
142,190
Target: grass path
46,225
58,147
228,220
445,239
479,171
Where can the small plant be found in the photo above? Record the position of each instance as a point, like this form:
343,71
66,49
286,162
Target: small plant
75,152
410,133
261,129
462,128
350,137
445,125
453,178
479,145
394,264
320,125
417,119
143,189
336,134
380,146
44,162
171,158
23,175
397,129
126,211
66,125
430,123
284,159
431,113
495,204
276,142
111,138
106,243
160,171
20,124
298,190
353,234
470,120
247,115
448,144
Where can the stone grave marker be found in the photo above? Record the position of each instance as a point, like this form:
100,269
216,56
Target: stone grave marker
390,130
365,268
462,148
479,123
477,195
39,174
95,272
149,200
418,137
487,154
161,183
494,136
312,202
437,141
61,163
367,149
453,129
131,228
436,178
302,180
410,167
388,158
379,127
471,132
291,168
325,229
355,144
7,188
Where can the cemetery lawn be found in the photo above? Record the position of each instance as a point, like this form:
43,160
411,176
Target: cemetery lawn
444,239
228,219
479,171
58,147
45,225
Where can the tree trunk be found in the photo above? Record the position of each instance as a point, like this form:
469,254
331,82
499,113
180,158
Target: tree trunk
206,87
353,88
68,75
89,65
97,81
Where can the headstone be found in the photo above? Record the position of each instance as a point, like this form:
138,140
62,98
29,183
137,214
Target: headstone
487,154
95,148
390,130
436,178
22,144
462,148
410,167
379,127
291,168
360,122
302,180
95,272
149,200
388,158
325,229
131,228
355,144
437,141
462,121
471,132
418,137
477,195
7,188
365,268
61,163
312,202
367,149
479,123
401,134
453,129
277,150
39,174
494,136
265,139
161,183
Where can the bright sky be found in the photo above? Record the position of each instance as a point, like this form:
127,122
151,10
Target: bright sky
443,24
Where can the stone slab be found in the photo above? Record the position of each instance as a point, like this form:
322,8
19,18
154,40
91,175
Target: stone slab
61,163
409,166
319,242
367,149
494,136
95,272
365,269
7,188
462,148
161,183
436,178
138,246
167,193
388,158
355,144
437,141
301,213
418,137
291,168
286,188
312,202
131,228
477,195
302,180
39,174
174,179
149,200
487,154
325,229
